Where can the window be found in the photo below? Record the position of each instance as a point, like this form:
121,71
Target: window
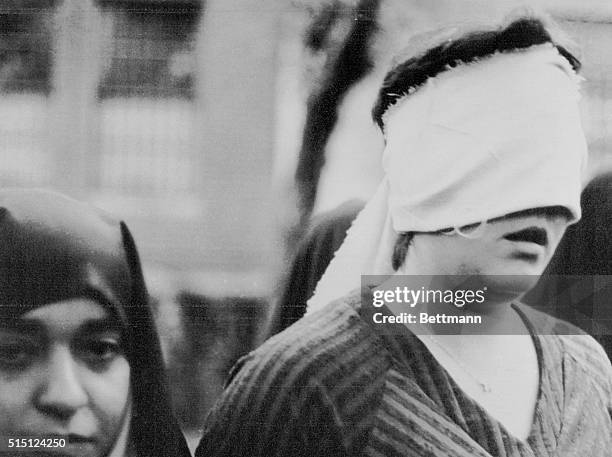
152,52
148,144
25,46
25,83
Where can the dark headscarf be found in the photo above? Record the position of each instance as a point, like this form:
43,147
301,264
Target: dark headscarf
314,252
53,248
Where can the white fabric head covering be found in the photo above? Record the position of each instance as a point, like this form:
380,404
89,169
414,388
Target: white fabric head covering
478,141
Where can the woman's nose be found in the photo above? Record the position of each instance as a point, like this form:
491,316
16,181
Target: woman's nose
61,392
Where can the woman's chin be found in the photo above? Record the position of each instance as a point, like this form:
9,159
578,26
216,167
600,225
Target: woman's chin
510,285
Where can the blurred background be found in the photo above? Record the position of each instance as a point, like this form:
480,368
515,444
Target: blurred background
217,128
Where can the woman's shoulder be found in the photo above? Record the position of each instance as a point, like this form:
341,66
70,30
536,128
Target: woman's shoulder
590,355
292,393
333,340
578,352
546,324
573,343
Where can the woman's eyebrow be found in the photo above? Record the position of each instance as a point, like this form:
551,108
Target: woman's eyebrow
100,295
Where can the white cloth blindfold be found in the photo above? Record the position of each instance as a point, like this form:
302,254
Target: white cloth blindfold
476,142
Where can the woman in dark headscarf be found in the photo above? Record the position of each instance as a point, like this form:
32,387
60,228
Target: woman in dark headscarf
80,360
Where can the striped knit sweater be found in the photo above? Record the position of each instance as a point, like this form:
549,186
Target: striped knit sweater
334,385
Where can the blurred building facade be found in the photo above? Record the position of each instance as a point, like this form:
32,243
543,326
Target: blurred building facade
161,112
184,117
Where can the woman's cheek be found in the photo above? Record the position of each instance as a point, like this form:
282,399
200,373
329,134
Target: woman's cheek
17,392
109,394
